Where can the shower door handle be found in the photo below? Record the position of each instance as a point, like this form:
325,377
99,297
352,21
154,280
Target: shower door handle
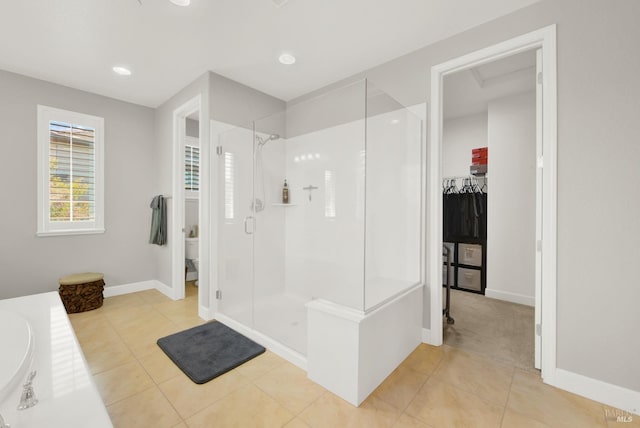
246,222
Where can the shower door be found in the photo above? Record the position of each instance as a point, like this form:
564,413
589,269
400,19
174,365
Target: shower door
236,225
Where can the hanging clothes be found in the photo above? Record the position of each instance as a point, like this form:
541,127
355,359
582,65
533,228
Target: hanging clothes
464,212
158,234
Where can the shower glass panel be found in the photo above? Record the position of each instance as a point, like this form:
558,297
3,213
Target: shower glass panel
325,152
393,198
352,161
235,227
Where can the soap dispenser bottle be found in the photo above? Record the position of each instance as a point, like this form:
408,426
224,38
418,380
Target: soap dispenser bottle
285,192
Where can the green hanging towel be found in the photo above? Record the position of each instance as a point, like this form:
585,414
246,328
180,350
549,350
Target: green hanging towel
158,221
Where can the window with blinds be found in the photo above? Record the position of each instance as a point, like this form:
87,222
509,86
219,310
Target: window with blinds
70,172
191,168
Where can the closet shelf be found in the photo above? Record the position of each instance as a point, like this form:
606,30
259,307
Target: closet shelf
284,205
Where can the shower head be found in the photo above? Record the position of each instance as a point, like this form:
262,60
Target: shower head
263,141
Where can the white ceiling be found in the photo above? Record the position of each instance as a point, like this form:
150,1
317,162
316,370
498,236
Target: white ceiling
76,42
468,92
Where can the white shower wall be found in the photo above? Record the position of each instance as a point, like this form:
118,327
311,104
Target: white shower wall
332,160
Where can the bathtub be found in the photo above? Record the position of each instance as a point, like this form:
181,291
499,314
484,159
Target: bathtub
44,341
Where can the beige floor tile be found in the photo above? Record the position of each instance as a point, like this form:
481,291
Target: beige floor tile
425,358
513,419
406,421
331,411
443,405
124,319
290,386
554,407
189,398
260,365
159,366
188,322
153,297
476,374
181,425
400,387
495,328
87,321
296,423
107,356
190,289
122,301
97,336
247,407
145,409
122,382
617,418
143,341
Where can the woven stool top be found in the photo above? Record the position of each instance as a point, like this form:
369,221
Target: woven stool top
81,278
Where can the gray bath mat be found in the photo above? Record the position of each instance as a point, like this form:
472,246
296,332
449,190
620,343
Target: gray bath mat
209,350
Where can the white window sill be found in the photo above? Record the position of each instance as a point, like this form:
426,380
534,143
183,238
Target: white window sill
70,232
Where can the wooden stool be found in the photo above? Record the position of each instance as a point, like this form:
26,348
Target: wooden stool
82,291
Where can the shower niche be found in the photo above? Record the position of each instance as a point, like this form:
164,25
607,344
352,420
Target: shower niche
331,280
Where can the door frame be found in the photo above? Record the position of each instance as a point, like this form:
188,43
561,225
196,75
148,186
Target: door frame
544,39
178,201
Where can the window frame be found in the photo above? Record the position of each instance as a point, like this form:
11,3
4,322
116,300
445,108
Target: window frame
46,227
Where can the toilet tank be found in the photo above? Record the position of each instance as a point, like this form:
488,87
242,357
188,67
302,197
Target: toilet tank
191,248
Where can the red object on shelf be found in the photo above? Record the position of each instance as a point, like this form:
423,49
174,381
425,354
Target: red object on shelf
480,161
480,156
481,152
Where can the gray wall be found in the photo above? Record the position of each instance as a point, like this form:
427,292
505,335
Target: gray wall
598,152
30,264
193,128
223,100
163,163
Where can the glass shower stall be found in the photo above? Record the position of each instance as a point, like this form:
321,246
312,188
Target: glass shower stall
350,232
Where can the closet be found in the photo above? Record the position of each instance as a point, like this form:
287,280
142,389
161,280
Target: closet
464,219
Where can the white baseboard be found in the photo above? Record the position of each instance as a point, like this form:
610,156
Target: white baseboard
597,390
426,336
133,287
117,290
205,313
510,297
272,345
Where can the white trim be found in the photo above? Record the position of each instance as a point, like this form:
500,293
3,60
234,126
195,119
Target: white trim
426,336
597,390
134,287
45,227
544,38
66,232
205,313
510,297
276,347
177,206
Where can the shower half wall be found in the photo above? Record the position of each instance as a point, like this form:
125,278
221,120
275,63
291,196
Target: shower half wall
347,245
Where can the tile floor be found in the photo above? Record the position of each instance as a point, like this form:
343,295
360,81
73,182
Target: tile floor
497,329
434,387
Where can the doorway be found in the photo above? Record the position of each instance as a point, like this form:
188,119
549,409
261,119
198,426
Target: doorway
546,211
190,187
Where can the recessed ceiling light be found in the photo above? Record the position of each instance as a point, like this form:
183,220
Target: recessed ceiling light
122,71
181,2
287,59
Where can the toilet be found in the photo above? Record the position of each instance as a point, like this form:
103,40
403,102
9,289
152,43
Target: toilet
191,252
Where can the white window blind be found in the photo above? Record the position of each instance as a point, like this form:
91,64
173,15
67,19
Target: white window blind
191,168
70,172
